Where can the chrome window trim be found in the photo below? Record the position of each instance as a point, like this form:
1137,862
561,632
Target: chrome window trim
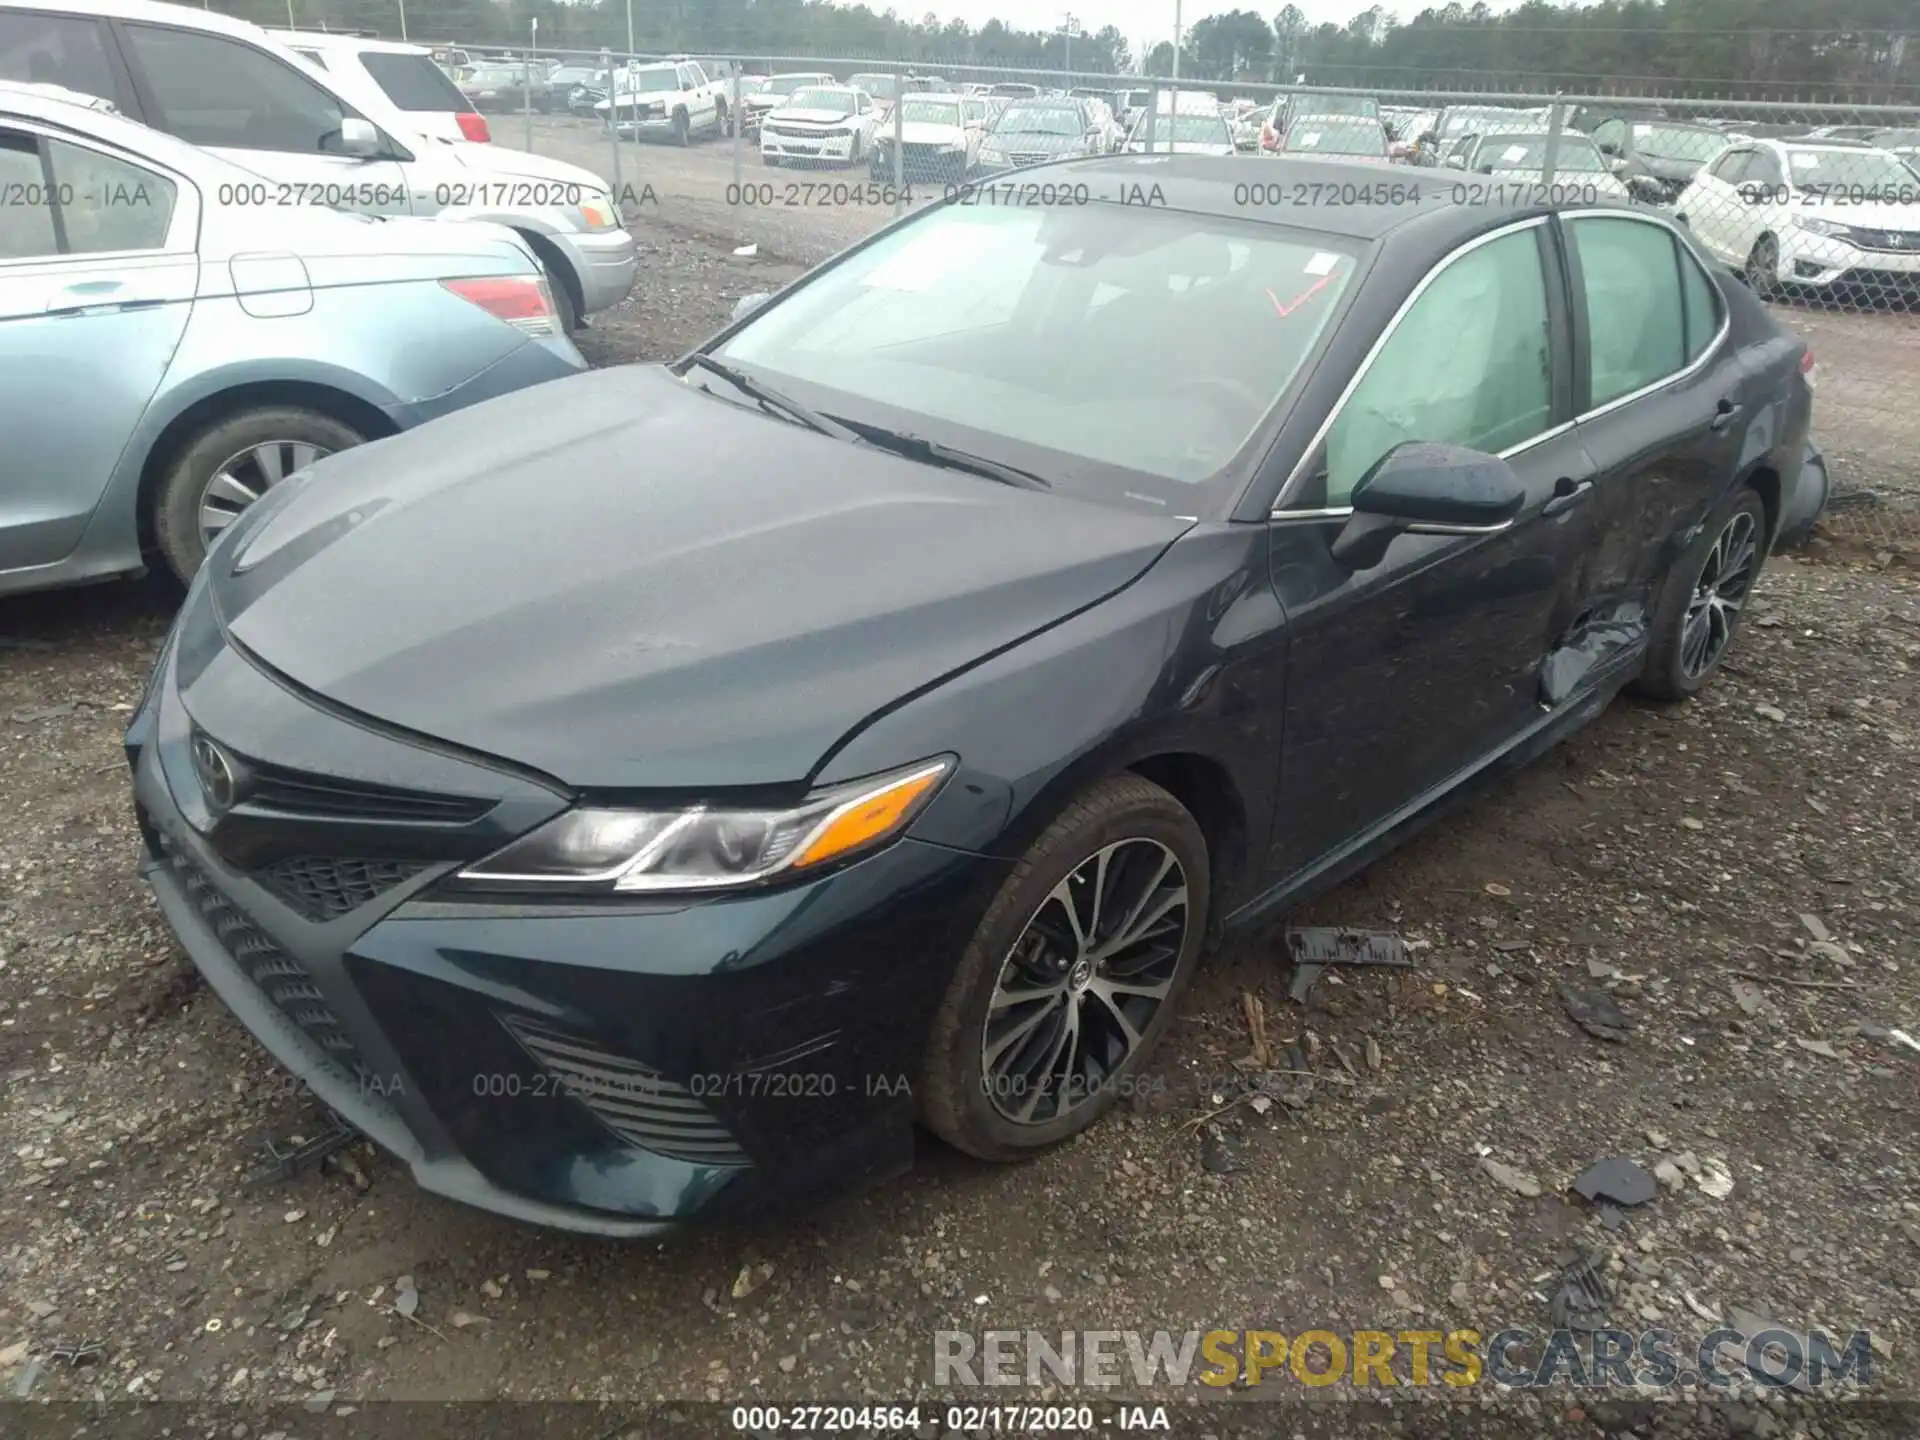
183,226
1692,366
1280,510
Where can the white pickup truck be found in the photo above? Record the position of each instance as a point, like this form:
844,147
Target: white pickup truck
674,99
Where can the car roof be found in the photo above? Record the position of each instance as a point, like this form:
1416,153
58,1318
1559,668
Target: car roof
1835,147
330,40
151,11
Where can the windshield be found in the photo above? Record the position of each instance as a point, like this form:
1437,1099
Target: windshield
1896,139
1187,130
881,87
648,82
1577,154
1015,90
1338,105
930,112
1338,138
976,324
787,84
1039,120
835,102
1678,142
1867,172
1462,122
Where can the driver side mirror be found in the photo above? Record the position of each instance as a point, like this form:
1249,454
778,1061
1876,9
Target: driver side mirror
1456,162
1609,147
359,138
1419,488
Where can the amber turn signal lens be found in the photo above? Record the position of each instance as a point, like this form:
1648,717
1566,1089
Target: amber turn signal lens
869,818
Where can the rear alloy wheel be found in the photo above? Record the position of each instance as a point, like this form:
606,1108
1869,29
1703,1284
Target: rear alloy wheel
1705,595
230,465
1072,975
1763,268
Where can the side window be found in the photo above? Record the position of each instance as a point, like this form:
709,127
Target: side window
313,58
26,227
1469,364
1610,135
209,90
68,200
1731,167
1764,169
699,75
109,204
64,50
1634,317
1702,304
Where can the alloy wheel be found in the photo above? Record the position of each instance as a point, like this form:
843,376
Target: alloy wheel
1717,597
245,477
1080,986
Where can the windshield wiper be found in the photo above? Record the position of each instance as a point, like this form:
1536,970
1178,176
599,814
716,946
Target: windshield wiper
932,452
771,399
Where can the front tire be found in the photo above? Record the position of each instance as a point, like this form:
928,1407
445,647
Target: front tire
229,465
682,129
1763,268
1704,597
1072,976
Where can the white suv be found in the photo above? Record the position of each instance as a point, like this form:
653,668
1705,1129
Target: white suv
317,137
673,98
405,74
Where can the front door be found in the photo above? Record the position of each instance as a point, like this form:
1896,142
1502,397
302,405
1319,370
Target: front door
1402,677
97,279
265,115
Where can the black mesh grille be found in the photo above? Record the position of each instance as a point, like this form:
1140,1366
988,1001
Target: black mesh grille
321,888
279,976
637,1103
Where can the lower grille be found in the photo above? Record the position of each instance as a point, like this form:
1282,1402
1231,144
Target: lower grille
322,889
637,1103
277,974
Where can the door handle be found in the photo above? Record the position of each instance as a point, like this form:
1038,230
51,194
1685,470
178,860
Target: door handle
1567,493
1725,413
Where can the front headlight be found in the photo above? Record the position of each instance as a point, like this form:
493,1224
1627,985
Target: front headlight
599,212
629,851
1814,225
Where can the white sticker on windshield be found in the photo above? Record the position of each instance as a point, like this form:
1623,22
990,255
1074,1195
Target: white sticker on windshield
1322,263
1514,153
1641,132
1804,160
1308,140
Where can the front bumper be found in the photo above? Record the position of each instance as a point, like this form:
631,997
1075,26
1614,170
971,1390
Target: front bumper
1827,262
922,164
826,149
605,262
1806,499
774,1035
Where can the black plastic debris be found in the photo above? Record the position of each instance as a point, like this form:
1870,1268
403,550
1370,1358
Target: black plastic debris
1218,1154
283,1162
1618,1180
1611,1220
1312,948
76,1353
1579,1300
1596,1013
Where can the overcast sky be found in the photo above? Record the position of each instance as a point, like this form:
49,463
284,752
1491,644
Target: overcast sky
1148,21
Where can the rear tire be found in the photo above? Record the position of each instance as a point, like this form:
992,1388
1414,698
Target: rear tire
187,499
1706,592
1763,268
1125,842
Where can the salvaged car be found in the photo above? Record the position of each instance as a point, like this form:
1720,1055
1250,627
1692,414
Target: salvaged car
668,858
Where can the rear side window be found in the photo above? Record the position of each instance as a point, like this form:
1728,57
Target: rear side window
56,50
209,90
414,82
1635,319
68,200
1702,298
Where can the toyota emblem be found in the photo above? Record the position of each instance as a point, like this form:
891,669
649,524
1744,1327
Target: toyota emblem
216,772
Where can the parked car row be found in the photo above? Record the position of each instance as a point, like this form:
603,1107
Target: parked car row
222,258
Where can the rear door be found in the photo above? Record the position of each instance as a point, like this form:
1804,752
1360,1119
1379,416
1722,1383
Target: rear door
1714,208
1663,398
98,272
1402,677
251,107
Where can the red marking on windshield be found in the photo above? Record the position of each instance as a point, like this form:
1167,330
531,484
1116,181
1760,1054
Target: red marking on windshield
1283,311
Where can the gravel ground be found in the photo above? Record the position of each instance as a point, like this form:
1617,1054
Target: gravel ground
1418,1177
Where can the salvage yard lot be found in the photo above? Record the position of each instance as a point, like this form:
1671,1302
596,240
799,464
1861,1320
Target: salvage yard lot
1656,853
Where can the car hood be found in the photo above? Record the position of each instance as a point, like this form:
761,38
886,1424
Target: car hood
624,583
1878,216
1013,143
807,116
497,159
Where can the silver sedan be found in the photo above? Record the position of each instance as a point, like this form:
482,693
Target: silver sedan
178,334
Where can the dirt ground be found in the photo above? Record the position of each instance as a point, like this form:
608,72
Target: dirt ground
1740,875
